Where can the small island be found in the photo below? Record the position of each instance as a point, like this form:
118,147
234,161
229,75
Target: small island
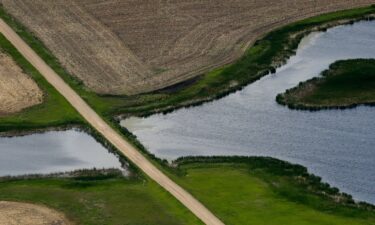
346,84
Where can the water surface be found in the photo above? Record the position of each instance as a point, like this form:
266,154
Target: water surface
338,145
55,151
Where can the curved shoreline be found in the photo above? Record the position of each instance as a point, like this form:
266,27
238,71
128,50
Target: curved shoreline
290,36
282,168
242,108
269,52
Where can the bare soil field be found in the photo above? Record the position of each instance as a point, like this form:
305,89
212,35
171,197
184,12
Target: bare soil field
16,213
135,46
17,90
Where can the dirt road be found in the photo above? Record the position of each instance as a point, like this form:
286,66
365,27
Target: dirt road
111,135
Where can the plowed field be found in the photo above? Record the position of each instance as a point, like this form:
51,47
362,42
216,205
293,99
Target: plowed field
134,46
17,90
16,213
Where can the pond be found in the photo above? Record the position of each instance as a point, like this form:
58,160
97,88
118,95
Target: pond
338,145
54,151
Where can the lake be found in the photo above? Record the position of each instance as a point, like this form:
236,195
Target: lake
338,145
53,151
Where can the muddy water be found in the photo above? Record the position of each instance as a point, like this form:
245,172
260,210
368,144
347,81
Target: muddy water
56,151
338,145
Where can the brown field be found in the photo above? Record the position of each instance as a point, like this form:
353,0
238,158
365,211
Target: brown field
17,90
134,46
15,213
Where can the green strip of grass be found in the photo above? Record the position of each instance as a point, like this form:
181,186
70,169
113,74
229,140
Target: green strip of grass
54,111
108,200
241,190
346,83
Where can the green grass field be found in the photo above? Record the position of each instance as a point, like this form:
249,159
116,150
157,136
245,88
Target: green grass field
254,192
109,201
346,83
250,194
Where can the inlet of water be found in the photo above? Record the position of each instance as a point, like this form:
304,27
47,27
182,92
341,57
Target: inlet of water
338,145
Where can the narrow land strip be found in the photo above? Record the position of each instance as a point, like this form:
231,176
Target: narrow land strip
110,134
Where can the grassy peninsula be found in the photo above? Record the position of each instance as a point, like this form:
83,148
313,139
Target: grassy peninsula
258,190
345,84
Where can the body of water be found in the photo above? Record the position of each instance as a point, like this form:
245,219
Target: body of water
55,151
338,145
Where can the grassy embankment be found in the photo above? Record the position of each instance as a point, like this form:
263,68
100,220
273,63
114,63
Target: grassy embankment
345,84
100,199
256,190
238,190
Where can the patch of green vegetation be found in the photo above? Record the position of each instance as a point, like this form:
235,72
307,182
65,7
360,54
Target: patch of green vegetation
268,53
346,83
256,190
239,190
54,111
110,200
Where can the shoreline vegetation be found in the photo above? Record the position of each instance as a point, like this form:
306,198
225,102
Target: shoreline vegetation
263,58
346,84
98,197
263,187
